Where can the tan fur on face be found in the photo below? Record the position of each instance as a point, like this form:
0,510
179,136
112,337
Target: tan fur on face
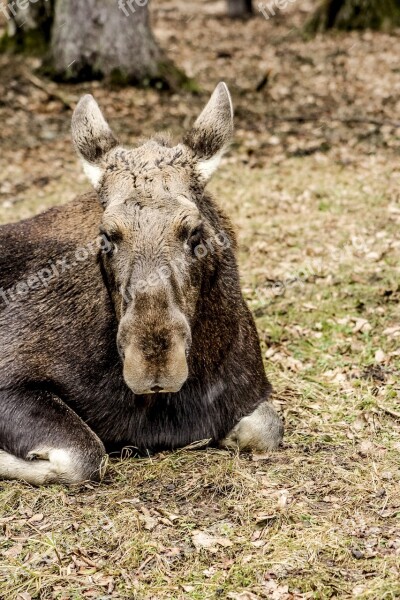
148,194
150,214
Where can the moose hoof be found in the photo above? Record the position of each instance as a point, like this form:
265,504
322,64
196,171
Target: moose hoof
42,454
56,465
259,432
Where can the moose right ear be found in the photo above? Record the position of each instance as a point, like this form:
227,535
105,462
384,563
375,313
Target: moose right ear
212,132
92,137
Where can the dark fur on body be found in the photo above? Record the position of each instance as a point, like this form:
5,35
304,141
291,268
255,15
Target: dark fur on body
62,338
85,355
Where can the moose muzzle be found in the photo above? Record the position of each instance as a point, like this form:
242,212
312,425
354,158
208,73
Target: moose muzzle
155,353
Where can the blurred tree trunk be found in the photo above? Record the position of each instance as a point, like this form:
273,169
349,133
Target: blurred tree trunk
28,28
99,38
355,14
92,39
239,8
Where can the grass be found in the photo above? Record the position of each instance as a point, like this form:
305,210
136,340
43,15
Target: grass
316,203
319,256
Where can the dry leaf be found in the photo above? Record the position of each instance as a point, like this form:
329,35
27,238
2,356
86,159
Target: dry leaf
380,356
243,596
36,518
276,591
366,448
24,596
283,499
14,551
149,521
203,540
362,325
259,457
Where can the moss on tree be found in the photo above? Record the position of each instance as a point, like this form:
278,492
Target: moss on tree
29,32
355,14
32,42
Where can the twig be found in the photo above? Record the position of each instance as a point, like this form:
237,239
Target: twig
49,89
347,120
389,411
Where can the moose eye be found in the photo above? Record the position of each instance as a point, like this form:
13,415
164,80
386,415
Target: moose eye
107,243
195,237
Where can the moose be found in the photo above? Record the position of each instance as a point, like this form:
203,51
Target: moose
145,342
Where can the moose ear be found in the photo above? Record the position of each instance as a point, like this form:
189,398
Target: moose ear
212,131
92,137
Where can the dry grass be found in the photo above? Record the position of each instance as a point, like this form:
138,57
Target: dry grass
318,519
318,213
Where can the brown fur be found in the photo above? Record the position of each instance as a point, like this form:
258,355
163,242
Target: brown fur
149,341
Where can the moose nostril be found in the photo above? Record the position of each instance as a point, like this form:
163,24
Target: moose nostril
156,388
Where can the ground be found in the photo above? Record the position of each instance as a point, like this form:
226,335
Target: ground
312,184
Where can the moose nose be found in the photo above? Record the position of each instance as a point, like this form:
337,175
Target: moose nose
156,388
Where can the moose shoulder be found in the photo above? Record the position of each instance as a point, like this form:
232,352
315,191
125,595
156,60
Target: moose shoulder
137,335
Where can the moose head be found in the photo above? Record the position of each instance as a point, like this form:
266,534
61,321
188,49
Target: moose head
162,246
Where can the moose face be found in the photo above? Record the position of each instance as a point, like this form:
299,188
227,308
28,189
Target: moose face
161,248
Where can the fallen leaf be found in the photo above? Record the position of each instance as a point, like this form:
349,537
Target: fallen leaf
243,596
203,540
282,499
380,356
366,448
36,518
362,325
149,521
14,551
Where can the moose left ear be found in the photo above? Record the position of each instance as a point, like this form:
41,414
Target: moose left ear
212,132
92,137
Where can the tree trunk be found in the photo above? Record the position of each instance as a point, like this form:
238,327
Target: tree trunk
103,38
92,39
28,28
355,14
239,8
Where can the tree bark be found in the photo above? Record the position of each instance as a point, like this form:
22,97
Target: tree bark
239,8
355,14
104,38
92,39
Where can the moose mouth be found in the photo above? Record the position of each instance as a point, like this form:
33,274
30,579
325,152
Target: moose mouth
154,390
165,376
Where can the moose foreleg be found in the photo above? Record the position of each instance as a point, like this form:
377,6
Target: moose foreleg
259,432
43,441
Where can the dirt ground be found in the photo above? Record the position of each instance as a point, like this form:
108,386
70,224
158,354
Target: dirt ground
312,183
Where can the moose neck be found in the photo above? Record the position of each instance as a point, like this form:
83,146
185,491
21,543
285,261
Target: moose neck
217,325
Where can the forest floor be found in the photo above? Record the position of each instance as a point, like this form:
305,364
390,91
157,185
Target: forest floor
312,183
